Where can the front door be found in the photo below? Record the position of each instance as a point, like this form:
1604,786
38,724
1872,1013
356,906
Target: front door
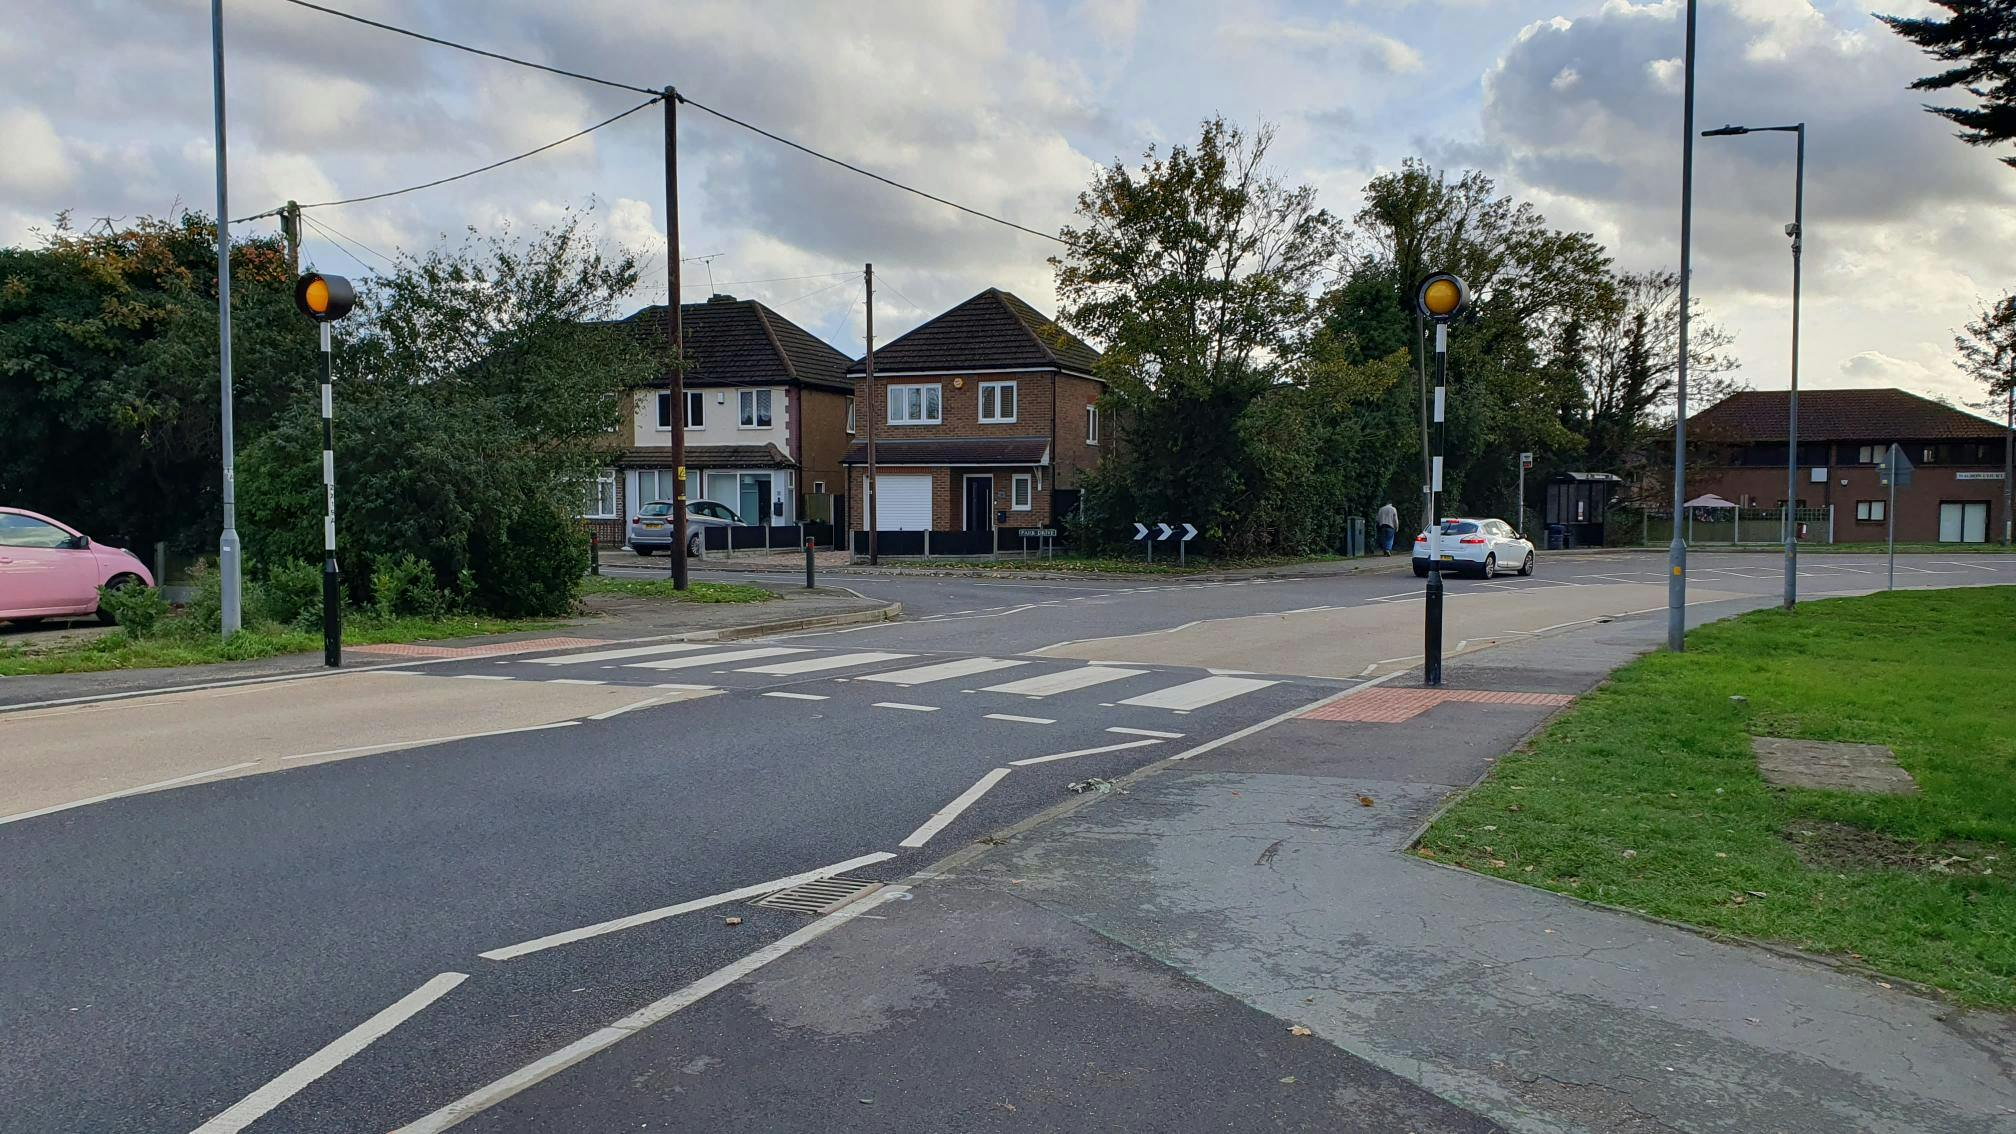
980,503
1963,521
755,507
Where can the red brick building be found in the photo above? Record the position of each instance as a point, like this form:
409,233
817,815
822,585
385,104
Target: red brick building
1738,452
985,420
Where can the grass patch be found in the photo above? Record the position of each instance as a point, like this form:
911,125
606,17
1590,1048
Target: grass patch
180,645
662,589
1647,795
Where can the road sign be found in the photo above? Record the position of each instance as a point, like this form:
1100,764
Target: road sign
1189,532
1165,531
1140,530
1525,460
1039,533
1896,459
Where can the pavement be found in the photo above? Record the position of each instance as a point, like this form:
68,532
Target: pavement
551,925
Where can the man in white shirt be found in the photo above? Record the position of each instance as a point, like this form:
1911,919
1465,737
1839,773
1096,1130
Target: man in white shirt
1389,525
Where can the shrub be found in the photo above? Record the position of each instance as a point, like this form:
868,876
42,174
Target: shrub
138,610
292,594
533,568
204,612
405,588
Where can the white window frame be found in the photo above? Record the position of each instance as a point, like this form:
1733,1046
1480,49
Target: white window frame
602,491
659,479
1014,400
930,395
754,409
850,414
1872,511
696,410
1022,493
1091,425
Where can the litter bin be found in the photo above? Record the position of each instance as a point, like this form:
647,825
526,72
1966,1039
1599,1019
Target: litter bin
1557,536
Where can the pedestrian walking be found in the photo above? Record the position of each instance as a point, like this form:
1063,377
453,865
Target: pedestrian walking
1389,525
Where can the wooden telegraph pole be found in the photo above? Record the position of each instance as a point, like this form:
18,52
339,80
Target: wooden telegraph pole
675,382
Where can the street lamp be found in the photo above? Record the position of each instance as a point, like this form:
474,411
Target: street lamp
1797,231
326,299
1676,551
1441,297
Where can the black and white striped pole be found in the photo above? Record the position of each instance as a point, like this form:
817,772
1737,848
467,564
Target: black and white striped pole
326,299
1441,297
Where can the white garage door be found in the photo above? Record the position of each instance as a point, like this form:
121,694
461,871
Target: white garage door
903,503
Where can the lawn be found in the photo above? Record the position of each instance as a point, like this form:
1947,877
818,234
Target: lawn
115,650
1647,796
663,589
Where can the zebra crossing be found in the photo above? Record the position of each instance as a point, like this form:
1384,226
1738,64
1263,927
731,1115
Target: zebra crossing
993,682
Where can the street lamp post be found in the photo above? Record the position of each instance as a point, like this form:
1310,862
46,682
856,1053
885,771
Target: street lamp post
1797,231
1440,298
1676,551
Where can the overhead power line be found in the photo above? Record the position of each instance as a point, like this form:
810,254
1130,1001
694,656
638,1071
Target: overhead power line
469,173
722,115
472,50
344,243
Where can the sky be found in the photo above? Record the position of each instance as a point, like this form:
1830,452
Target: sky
1009,106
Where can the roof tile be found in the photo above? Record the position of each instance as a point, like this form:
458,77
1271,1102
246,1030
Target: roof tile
1839,415
994,330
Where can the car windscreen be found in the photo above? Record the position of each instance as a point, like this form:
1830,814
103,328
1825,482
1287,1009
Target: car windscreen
655,509
1458,527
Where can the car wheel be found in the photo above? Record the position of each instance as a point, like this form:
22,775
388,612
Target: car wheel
644,551
1420,572
117,583
693,546
1526,568
1491,565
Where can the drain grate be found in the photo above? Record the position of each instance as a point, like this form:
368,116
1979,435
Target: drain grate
820,896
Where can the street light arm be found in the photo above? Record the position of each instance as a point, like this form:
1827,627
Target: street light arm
1733,131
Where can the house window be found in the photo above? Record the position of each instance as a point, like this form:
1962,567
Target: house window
1091,425
598,497
997,402
653,484
914,405
1871,511
850,415
818,488
1021,492
696,410
1871,454
755,406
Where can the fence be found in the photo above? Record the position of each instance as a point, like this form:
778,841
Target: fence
1734,527
731,538
940,545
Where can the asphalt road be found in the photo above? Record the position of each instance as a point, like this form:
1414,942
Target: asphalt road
175,952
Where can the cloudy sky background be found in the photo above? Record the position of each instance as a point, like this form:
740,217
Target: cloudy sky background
1007,106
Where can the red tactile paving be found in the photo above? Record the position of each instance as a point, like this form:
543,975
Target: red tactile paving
1392,706
530,645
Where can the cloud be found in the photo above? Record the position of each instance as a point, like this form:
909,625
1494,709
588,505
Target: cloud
38,163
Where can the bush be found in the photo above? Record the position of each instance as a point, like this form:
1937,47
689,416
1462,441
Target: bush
138,610
292,594
405,588
204,612
532,569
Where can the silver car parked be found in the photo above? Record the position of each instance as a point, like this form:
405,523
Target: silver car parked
651,525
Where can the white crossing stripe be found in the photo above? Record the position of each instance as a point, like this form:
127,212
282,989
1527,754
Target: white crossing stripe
616,655
1082,752
1199,693
901,705
943,671
799,696
952,810
814,665
1020,720
1064,681
574,681
715,659
1146,732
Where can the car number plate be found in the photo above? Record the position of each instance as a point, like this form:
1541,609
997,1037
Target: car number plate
653,526
1449,557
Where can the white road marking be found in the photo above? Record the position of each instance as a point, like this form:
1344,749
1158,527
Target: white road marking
482,676
1976,566
1291,714
1080,752
485,1097
815,665
943,671
1197,694
952,810
901,705
716,659
157,785
426,741
255,1105
555,940
616,655
574,681
688,688
800,696
1020,720
1146,732
1063,681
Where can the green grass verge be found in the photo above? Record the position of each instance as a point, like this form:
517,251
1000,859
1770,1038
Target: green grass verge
662,589
1832,548
1647,795
178,645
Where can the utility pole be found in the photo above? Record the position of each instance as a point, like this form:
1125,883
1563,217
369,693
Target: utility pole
1676,552
2009,472
868,483
675,382
228,565
290,230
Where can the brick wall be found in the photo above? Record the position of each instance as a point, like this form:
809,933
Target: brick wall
960,407
1917,506
825,440
1073,456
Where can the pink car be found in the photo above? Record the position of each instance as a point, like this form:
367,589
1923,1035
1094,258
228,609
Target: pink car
51,570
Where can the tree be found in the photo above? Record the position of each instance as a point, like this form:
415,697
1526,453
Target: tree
1980,38
1198,273
1628,360
474,387
1988,355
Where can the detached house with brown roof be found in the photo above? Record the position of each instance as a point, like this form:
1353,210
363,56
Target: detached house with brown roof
985,420
767,409
1955,495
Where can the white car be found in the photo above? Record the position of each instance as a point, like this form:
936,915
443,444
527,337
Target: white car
1482,547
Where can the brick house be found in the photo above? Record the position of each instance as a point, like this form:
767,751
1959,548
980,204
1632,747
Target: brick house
1737,452
986,418
767,411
